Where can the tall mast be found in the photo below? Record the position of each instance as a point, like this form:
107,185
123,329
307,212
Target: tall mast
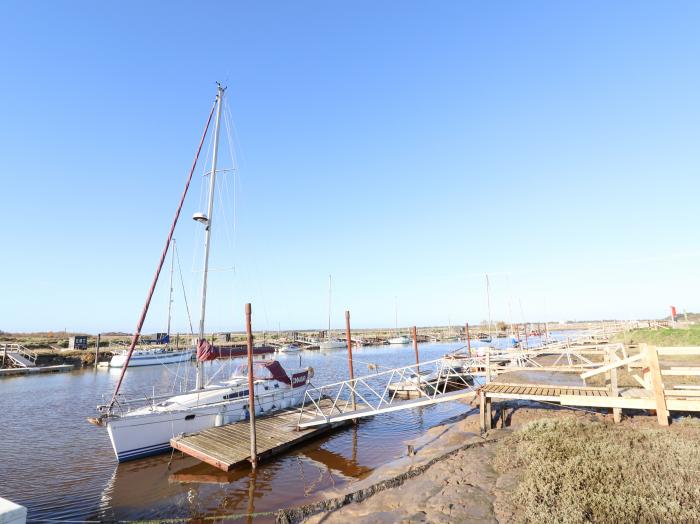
328,334
170,298
488,301
207,230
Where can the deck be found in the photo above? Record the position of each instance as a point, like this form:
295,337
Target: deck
546,392
228,446
536,392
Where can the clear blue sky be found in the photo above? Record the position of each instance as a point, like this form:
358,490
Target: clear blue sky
405,147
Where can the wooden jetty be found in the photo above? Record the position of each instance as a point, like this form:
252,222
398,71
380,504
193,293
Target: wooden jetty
652,395
228,446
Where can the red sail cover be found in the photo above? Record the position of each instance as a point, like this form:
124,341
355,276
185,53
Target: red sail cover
205,351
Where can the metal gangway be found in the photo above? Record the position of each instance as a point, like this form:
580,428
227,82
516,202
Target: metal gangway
426,383
18,354
452,377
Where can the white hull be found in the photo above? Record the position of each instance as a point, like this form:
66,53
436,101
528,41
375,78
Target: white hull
140,435
289,349
399,340
332,344
151,358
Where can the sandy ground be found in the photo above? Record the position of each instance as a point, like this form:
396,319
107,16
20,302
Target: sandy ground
450,478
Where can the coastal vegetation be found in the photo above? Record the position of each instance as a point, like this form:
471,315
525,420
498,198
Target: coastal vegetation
684,336
574,471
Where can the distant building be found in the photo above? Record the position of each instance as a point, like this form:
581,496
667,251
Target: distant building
78,342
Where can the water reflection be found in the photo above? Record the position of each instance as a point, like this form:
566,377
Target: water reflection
80,480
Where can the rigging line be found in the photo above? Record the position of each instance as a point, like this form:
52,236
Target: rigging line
230,130
232,153
142,318
184,294
201,201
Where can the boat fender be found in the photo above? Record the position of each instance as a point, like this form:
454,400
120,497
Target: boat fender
219,420
310,371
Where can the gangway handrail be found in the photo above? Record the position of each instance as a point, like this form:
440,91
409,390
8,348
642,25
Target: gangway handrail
13,347
372,402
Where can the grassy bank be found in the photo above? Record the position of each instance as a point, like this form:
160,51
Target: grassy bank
574,471
662,337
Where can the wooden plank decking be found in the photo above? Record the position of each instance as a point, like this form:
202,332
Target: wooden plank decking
545,392
537,392
227,446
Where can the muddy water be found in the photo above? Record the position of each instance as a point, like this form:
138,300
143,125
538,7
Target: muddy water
61,467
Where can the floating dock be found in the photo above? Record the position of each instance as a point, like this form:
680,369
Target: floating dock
8,372
228,446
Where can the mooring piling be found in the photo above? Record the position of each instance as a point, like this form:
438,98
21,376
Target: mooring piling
469,342
97,349
251,392
527,342
415,347
350,367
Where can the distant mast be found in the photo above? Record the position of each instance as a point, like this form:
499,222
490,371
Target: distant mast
328,334
396,314
207,220
488,301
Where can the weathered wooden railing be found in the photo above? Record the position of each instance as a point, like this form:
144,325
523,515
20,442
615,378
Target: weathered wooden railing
647,371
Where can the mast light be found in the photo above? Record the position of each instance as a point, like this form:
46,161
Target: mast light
201,218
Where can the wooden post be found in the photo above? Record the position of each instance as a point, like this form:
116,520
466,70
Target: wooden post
657,384
415,348
489,418
488,365
614,392
350,368
482,411
469,342
97,349
251,390
527,343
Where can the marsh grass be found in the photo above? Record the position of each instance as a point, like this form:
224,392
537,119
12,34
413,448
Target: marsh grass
578,471
688,336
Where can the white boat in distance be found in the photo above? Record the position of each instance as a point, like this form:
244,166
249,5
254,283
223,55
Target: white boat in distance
398,339
332,343
138,429
150,357
289,348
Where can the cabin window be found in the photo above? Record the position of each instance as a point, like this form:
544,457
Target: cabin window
236,394
189,417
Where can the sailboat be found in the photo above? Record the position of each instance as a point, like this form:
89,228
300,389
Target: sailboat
139,430
331,343
398,339
160,355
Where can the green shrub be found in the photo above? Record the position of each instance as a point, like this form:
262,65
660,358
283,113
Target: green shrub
574,471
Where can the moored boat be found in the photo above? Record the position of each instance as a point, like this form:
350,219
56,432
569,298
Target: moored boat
142,427
150,357
289,348
147,430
